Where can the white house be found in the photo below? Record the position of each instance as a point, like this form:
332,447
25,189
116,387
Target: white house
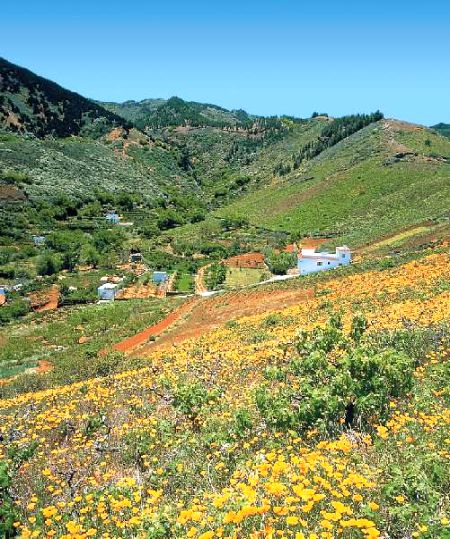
107,291
309,261
38,240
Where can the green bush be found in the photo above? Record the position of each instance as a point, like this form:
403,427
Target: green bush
280,263
15,309
341,379
8,511
47,264
190,398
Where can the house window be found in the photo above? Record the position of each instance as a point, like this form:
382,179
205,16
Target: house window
342,255
329,263
320,263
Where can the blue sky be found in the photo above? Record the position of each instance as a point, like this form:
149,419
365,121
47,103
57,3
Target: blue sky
268,57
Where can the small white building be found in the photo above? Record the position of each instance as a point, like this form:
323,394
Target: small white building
38,240
112,217
107,291
160,277
310,261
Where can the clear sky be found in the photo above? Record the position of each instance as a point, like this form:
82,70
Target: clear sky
268,57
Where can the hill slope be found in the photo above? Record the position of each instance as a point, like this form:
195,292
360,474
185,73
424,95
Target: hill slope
385,177
32,104
248,428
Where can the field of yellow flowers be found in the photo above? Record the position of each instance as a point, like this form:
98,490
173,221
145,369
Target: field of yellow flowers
327,419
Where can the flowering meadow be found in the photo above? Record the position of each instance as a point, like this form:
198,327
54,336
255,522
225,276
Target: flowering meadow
326,419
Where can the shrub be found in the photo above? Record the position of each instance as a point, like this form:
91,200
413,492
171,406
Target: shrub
280,263
334,378
190,398
8,511
47,264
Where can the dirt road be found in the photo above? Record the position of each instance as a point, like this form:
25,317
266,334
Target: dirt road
209,313
129,345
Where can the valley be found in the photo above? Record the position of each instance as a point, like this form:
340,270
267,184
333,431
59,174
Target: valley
215,324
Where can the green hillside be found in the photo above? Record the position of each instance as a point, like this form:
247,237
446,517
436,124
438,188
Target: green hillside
388,176
443,129
159,113
33,104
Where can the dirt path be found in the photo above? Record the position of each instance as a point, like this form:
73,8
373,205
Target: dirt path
171,282
52,302
131,343
200,287
209,313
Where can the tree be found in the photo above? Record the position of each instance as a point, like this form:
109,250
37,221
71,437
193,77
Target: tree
280,263
47,265
89,255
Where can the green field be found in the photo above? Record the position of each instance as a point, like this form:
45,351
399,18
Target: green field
240,277
184,283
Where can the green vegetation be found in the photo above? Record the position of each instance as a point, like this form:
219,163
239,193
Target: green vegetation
184,282
241,277
443,129
55,338
280,263
36,105
356,386
215,276
357,191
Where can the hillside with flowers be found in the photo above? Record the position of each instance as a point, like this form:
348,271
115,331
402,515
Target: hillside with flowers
327,418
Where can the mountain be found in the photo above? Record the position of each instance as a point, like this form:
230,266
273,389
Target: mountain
160,113
32,104
443,129
180,161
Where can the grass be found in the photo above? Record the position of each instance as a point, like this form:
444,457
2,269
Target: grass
54,335
240,277
185,282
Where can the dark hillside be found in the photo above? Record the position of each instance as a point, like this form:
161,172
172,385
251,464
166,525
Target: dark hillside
32,104
443,129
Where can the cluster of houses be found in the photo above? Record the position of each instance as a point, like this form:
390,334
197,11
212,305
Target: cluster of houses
109,288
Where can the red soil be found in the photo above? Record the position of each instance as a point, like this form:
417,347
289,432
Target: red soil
212,312
129,344
43,366
247,260
51,300
200,285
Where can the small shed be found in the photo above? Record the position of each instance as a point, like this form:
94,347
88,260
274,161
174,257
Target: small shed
2,295
38,240
135,257
112,217
107,291
160,276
